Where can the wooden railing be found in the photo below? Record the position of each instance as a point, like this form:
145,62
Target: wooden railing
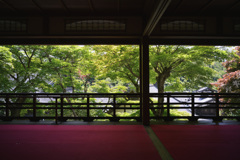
117,106
216,106
63,107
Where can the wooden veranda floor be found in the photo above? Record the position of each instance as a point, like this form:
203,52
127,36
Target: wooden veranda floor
123,140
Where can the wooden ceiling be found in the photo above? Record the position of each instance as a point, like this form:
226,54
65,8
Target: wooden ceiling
75,7
163,21
117,7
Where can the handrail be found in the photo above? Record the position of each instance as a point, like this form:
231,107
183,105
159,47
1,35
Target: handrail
76,102
211,106
197,106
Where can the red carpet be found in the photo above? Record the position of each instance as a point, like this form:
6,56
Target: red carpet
200,142
72,142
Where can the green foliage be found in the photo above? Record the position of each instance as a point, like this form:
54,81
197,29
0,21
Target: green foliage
176,112
134,101
104,69
219,70
5,67
184,67
173,112
119,63
230,83
108,86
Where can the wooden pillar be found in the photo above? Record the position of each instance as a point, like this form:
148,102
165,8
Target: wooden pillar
144,79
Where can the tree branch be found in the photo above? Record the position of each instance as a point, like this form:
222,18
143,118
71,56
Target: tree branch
30,58
131,71
161,65
156,70
175,49
21,61
176,63
15,78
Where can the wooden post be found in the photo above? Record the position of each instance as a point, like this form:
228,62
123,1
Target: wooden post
7,106
34,107
88,111
144,79
56,108
217,105
62,107
114,107
193,110
168,107
217,118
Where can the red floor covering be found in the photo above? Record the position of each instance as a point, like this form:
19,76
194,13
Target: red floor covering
72,142
200,142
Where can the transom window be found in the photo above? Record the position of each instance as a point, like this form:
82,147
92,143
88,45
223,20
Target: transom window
94,25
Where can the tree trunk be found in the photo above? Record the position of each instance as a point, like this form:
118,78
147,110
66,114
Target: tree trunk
16,112
137,87
161,78
74,113
160,84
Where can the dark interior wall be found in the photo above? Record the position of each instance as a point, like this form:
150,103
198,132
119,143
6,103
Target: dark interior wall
35,26
51,30
213,26
53,26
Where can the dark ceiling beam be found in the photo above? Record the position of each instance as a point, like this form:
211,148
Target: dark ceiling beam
39,7
208,4
178,6
233,6
147,5
10,6
72,40
118,7
64,6
190,40
161,7
91,5
87,40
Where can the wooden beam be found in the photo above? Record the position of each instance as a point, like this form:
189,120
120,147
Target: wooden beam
118,7
64,6
71,40
195,40
155,17
91,6
233,6
178,6
147,5
10,6
208,4
39,7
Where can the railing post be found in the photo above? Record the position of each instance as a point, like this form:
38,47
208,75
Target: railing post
88,111
114,107
217,105
34,107
62,107
217,118
7,107
193,103
141,108
193,117
168,107
56,109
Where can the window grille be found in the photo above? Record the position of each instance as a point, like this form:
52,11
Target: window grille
94,25
13,25
182,25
